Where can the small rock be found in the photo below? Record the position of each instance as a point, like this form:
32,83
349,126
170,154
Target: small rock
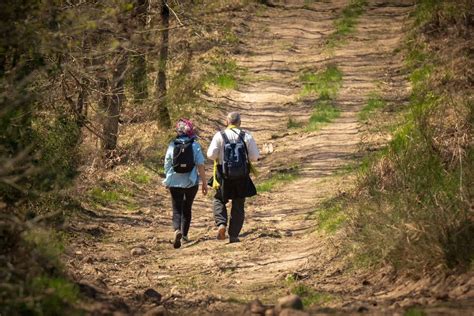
94,230
157,311
442,296
292,312
256,307
175,291
152,295
88,259
290,301
267,148
362,309
88,290
458,291
137,252
295,276
270,312
78,252
407,302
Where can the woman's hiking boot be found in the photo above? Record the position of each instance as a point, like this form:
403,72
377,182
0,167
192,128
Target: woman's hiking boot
184,239
177,239
233,240
221,232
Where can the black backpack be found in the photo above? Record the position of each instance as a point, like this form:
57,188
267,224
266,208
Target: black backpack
183,156
235,164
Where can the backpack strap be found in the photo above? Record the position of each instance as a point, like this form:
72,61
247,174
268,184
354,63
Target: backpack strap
225,138
242,138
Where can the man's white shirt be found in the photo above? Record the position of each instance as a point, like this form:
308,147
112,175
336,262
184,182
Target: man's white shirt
216,148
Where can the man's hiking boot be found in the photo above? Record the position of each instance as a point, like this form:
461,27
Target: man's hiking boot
184,239
221,232
233,240
177,239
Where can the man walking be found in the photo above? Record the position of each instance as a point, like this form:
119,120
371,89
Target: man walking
232,151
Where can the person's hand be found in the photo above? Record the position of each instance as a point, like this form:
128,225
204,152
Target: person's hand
204,188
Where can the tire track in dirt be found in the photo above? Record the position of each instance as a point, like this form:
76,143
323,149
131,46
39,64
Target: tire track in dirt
212,276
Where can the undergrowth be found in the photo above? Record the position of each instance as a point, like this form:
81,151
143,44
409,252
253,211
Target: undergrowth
414,196
31,272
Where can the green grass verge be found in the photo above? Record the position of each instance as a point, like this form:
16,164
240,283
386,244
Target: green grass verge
413,212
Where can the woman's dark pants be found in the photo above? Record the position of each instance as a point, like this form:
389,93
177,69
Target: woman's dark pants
182,202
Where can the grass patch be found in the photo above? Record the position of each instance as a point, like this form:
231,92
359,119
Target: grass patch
113,194
224,73
54,293
331,215
47,242
230,37
292,123
325,84
414,312
104,197
309,296
374,103
277,179
324,112
138,175
35,284
345,25
331,219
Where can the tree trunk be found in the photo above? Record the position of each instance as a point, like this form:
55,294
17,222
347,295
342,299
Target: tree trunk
162,104
138,61
112,103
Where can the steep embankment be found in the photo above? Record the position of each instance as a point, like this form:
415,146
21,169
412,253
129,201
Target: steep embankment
278,238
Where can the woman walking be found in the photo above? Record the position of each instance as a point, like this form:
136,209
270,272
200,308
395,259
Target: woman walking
184,168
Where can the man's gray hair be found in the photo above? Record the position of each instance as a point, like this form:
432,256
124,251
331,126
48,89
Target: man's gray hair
233,118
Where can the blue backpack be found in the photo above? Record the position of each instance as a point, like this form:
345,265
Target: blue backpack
235,164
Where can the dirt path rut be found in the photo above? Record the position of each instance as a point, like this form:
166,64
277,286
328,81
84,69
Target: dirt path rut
277,238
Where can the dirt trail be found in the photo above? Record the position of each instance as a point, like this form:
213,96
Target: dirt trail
277,239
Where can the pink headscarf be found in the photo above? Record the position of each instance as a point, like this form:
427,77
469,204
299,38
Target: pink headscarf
185,127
